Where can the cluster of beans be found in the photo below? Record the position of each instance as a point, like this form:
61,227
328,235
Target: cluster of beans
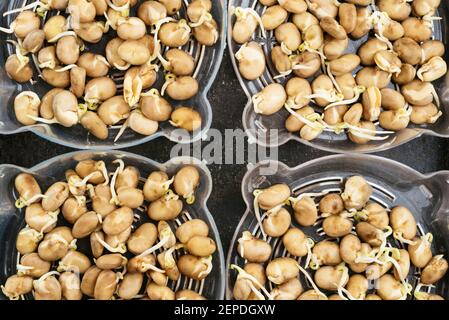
123,252
387,82
83,90
358,263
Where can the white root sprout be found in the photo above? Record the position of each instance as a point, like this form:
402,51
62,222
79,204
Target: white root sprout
101,166
54,218
165,238
242,274
426,241
122,130
294,200
341,290
421,295
331,76
358,90
305,46
309,278
246,236
380,20
169,79
36,234
310,256
257,100
328,95
43,7
256,194
124,10
165,185
428,20
367,133
205,17
398,236
22,203
155,30
169,261
314,123
435,96
120,249
285,49
75,181
66,68
149,266
119,170
38,283
62,35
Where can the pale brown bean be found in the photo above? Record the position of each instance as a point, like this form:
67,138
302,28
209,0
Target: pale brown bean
105,285
130,286
305,210
336,226
190,229
347,14
118,221
143,238
435,270
273,17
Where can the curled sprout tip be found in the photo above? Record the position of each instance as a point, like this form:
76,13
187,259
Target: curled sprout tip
100,165
41,7
37,283
190,199
241,13
208,262
169,79
149,266
163,241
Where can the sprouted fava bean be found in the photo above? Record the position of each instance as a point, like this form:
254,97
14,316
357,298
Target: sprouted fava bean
357,248
121,249
398,50
59,46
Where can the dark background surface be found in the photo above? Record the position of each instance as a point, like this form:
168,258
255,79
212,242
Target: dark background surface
426,154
